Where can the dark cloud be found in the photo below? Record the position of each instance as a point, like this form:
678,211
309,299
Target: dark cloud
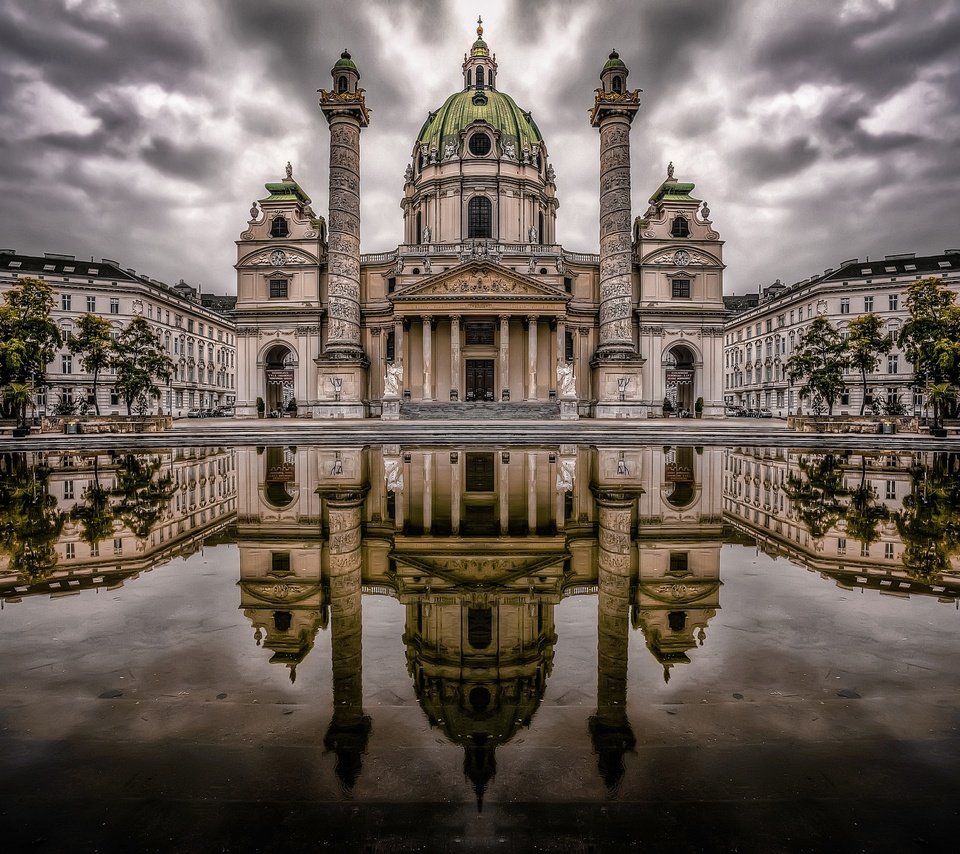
816,130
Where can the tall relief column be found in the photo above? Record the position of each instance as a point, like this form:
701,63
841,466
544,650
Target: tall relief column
343,363
616,363
350,728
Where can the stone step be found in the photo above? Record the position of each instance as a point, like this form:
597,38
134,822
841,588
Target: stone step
479,411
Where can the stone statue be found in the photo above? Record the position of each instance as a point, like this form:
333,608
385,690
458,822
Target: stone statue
509,150
408,173
566,382
705,213
479,249
449,151
424,155
560,264
670,171
393,380
289,171
566,468
399,264
426,264
551,174
308,211
254,211
533,235
532,265
393,474
427,234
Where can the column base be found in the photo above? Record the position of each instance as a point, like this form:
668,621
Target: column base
619,386
341,385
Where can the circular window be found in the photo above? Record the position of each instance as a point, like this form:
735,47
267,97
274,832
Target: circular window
480,145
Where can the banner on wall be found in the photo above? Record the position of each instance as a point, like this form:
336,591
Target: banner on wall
679,376
279,376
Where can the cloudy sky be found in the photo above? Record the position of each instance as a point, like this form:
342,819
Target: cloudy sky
142,130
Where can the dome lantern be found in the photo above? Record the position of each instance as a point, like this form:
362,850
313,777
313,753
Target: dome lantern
614,74
479,66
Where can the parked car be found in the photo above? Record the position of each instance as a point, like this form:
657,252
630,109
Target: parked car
732,411
226,412
195,413
764,413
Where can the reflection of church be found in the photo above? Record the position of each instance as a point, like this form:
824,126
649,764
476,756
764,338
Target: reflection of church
479,545
480,307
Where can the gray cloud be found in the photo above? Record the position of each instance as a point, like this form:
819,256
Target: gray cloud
816,130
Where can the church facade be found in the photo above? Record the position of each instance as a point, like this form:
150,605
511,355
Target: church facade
480,308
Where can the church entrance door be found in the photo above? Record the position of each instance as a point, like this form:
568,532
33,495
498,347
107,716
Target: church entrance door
479,379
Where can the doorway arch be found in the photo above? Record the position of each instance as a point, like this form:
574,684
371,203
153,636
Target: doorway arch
279,372
680,377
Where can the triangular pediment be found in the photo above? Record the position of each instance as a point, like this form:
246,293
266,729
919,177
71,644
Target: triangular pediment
479,279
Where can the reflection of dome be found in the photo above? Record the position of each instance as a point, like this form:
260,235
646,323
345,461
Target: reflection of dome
462,109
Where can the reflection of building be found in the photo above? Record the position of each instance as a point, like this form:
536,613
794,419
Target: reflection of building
480,274
759,340
199,339
116,514
479,544
835,513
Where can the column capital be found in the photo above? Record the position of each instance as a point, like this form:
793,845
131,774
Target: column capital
455,318
343,497
504,318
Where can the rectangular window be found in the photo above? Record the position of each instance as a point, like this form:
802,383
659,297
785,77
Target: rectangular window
114,397
891,489
893,301
391,349
568,346
868,304
95,550
841,545
680,288
70,551
68,489
66,364
679,562
845,305
864,550
888,551
65,302
278,288
114,305
479,332
92,305
189,324
280,563
117,546
893,364
845,397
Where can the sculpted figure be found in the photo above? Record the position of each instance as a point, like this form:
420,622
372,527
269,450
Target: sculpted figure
449,151
551,175
393,380
532,265
566,382
254,211
426,264
408,174
399,263
427,234
560,264
670,171
289,171
509,150
533,234
393,474
565,472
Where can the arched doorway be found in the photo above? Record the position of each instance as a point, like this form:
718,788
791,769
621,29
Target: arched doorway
279,367
679,379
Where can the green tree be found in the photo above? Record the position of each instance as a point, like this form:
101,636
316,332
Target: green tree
139,361
92,342
865,345
820,361
28,338
144,492
17,397
931,341
863,513
94,512
929,523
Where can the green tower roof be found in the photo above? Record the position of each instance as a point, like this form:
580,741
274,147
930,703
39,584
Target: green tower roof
613,62
462,109
345,62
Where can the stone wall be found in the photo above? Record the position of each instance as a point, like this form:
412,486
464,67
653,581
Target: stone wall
106,424
853,424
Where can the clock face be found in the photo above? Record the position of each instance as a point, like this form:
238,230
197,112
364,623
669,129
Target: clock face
681,258
277,258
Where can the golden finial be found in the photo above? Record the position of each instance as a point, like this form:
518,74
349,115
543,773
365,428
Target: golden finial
479,27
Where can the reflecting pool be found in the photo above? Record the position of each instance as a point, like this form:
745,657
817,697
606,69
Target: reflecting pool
528,648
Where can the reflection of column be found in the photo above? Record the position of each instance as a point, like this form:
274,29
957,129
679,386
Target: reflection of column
398,343
427,492
455,497
561,340
427,358
504,352
609,727
532,493
455,354
532,358
348,731
504,496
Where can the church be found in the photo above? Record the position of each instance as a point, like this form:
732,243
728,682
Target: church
480,311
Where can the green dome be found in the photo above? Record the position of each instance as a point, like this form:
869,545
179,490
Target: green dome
479,48
462,109
614,62
345,62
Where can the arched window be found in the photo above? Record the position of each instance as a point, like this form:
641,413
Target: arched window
617,84
419,228
469,77
479,77
680,227
479,217
541,233
278,228
342,84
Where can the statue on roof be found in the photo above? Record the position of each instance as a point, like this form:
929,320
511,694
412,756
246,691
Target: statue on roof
670,171
705,213
289,171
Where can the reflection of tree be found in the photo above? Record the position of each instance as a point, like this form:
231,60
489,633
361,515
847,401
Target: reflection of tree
863,513
143,493
817,492
30,523
94,513
929,523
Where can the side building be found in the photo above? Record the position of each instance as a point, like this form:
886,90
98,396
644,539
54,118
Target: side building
194,330
759,340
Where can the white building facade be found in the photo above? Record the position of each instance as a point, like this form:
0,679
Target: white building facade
759,341
201,342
